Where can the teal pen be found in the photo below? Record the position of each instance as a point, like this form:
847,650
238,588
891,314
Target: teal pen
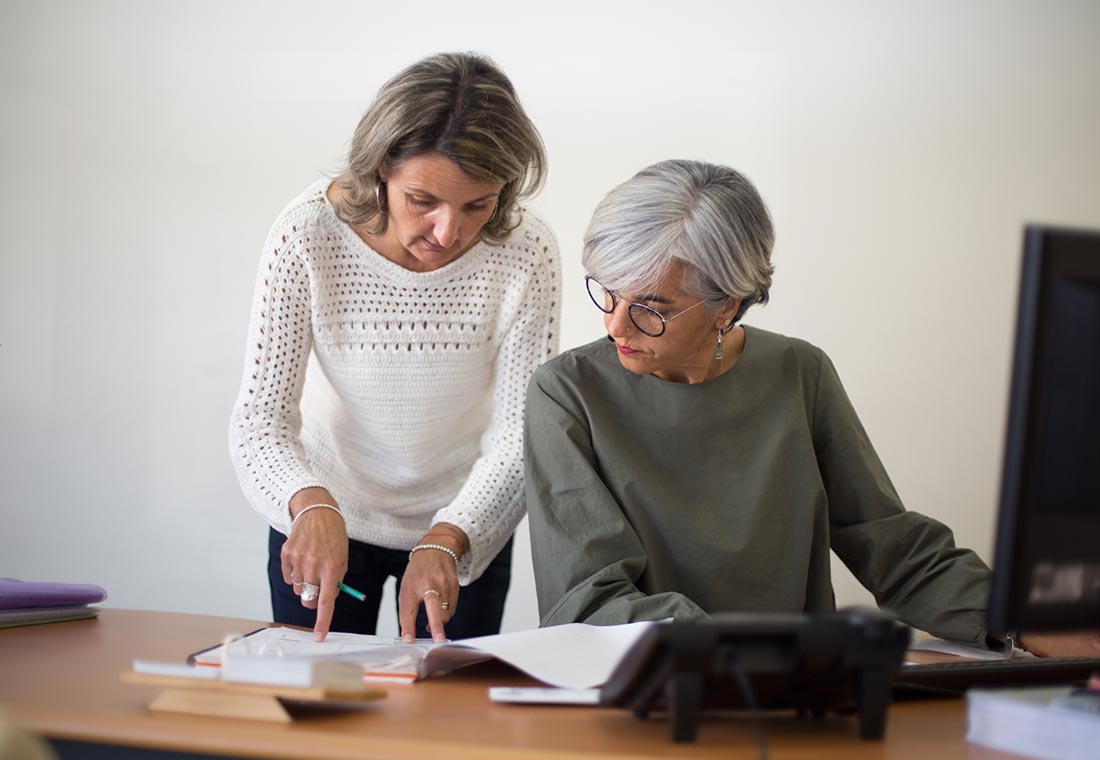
352,592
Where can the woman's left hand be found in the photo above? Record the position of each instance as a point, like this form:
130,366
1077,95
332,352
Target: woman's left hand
431,579
1061,644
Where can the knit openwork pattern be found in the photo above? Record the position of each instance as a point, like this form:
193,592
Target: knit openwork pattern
401,392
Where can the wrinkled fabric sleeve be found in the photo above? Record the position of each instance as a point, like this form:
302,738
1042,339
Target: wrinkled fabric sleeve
908,561
587,557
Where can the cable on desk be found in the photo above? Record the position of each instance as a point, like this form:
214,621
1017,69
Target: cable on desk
750,701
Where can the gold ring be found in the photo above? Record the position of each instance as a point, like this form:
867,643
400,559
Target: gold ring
444,605
432,591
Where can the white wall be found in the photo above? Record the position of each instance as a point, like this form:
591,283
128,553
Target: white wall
147,147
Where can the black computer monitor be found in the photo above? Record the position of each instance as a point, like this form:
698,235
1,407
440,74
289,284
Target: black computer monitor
1046,561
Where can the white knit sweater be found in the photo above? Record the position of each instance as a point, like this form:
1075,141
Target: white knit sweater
401,392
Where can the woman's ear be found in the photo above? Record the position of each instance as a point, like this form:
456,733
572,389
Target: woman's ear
724,319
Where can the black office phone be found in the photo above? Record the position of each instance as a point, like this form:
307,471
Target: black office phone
843,662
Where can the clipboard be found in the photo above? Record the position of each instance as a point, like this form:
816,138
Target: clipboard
192,659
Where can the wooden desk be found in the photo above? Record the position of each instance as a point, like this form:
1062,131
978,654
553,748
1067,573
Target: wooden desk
61,680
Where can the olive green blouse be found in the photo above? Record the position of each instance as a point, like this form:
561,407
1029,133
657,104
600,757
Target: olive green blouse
650,499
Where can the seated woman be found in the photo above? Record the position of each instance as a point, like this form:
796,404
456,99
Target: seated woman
689,465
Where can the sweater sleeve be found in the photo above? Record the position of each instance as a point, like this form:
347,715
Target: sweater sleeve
491,502
907,560
267,454
587,557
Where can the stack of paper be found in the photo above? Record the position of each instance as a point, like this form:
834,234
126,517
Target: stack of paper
29,603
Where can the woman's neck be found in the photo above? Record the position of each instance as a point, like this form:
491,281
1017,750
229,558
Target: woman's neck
708,367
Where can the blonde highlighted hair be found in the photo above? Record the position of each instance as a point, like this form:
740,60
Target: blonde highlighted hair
460,105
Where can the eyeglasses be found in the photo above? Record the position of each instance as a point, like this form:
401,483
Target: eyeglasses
649,321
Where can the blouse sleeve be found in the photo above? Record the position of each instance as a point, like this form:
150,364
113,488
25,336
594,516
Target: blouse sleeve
587,557
491,502
907,560
263,432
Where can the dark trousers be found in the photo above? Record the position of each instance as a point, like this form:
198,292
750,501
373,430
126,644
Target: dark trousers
480,605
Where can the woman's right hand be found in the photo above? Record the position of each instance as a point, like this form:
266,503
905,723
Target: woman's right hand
316,554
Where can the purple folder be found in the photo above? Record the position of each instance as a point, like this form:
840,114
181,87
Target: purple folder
19,595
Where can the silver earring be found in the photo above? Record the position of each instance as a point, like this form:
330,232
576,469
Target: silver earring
378,196
718,351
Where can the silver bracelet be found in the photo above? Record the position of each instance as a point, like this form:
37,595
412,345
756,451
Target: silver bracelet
334,508
418,547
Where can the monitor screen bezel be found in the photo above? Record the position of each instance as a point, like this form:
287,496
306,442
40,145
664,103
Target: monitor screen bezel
1050,254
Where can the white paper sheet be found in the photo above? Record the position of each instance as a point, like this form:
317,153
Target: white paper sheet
962,649
573,656
544,695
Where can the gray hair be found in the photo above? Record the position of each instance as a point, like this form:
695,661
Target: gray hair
457,104
708,217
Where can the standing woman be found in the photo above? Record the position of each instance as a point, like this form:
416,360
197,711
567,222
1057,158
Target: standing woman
398,315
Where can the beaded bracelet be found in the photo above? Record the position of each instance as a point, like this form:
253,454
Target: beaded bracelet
335,509
450,536
418,547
